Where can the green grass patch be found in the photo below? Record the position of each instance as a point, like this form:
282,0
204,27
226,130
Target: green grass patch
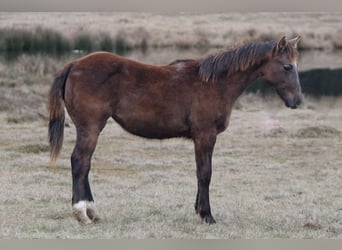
121,45
38,40
17,119
277,132
17,41
34,148
318,131
84,42
106,44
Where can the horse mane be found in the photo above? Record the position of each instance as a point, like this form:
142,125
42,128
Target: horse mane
237,59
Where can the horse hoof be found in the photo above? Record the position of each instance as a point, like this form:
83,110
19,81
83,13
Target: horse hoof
81,218
94,218
92,215
209,219
79,211
206,216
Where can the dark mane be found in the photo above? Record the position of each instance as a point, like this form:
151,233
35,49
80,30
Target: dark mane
236,59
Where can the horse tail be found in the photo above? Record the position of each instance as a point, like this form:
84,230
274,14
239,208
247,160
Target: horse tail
57,113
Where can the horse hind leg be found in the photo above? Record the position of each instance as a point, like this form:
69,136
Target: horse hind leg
82,199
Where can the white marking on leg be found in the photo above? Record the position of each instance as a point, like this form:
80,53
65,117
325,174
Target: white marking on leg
79,210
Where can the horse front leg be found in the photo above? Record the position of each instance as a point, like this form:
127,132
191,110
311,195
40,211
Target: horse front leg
204,146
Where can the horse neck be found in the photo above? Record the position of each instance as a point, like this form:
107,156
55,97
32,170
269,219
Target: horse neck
239,81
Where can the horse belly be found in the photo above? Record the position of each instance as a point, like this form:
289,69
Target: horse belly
153,121
155,130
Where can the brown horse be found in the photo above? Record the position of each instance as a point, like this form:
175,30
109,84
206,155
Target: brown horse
187,98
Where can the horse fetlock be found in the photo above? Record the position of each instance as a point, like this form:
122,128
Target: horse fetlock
205,214
79,211
207,217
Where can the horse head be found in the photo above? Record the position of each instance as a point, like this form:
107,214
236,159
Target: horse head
281,72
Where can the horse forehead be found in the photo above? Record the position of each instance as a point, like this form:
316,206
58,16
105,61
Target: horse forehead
292,59
289,59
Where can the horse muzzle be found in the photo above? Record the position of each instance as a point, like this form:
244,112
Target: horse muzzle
293,103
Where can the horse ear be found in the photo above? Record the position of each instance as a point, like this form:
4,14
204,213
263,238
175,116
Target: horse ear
294,41
281,44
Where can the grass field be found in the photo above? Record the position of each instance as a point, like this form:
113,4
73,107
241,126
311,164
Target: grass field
276,172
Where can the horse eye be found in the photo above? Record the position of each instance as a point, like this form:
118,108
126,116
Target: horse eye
287,67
